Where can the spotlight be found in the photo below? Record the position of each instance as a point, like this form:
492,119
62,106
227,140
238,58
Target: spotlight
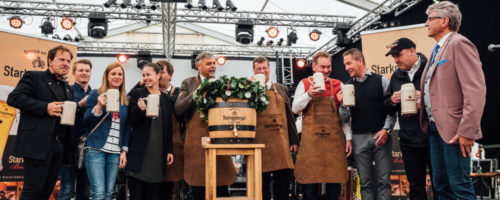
291,38
109,3
67,37
67,23
202,4
79,38
122,58
125,3
388,19
16,22
55,36
269,43
341,32
189,4
47,28
153,6
148,19
261,41
98,26
143,57
230,5
273,32
280,42
244,31
221,60
301,63
193,59
216,4
315,34
140,4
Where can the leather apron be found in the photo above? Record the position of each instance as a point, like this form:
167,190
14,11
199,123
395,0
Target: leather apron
194,155
174,172
322,157
272,130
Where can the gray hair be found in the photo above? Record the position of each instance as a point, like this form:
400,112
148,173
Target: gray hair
449,10
202,56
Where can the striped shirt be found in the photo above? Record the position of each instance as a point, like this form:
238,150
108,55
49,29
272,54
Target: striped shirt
112,144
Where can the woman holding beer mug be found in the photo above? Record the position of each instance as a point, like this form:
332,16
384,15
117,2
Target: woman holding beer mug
106,147
150,149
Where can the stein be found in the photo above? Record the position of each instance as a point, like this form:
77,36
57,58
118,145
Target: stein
113,100
348,95
68,113
408,100
153,105
261,78
319,80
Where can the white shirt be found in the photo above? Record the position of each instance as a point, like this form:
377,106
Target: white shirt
414,69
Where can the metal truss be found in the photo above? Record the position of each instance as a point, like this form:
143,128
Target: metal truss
195,15
366,23
169,11
101,47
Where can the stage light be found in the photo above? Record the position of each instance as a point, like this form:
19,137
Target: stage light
244,31
280,42
273,32
47,28
202,4
269,43
292,38
67,23
301,63
67,37
109,3
79,38
216,4
221,60
98,25
140,4
314,35
122,58
189,4
55,36
230,6
193,59
341,32
143,57
153,6
261,41
125,3
16,22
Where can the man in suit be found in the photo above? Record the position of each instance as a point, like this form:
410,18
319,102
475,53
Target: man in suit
41,140
276,129
453,99
194,155
413,143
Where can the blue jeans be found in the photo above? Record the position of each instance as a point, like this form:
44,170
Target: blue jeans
311,191
451,171
68,174
102,169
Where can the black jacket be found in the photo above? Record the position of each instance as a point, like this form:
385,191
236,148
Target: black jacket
141,125
410,133
33,93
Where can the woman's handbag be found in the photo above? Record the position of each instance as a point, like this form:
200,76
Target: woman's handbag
83,140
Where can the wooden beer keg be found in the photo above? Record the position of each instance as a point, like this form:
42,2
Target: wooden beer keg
232,121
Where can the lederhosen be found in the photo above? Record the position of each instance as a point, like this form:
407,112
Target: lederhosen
272,130
194,155
322,157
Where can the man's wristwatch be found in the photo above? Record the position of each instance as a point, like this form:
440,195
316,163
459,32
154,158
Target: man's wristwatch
388,131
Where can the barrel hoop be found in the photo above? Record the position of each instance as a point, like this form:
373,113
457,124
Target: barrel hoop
230,105
231,127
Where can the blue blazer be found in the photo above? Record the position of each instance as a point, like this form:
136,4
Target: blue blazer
99,137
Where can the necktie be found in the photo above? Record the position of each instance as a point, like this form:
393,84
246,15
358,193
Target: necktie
434,53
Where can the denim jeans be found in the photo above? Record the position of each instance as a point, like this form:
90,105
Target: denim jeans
451,171
311,191
69,175
102,169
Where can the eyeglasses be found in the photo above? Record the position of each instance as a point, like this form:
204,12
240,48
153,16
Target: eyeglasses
431,18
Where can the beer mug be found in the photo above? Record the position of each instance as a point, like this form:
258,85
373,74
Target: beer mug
113,100
408,100
319,80
261,78
152,105
348,95
68,113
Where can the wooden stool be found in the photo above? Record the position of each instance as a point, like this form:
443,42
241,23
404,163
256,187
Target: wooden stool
253,153
481,176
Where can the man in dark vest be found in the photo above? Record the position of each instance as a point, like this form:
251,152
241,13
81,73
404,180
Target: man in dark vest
194,155
276,129
371,126
414,144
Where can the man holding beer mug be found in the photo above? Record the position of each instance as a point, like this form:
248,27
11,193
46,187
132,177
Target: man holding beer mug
322,156
42,141
413,142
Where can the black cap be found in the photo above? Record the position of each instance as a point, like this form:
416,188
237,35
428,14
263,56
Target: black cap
400,44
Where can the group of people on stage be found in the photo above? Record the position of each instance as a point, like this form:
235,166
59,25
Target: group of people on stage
158,152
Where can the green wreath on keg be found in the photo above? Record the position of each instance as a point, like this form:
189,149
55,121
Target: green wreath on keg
225,88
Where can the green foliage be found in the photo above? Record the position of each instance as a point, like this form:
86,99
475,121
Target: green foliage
238,87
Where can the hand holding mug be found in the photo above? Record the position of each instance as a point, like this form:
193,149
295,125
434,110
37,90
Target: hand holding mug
55,108
141,104
102,100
